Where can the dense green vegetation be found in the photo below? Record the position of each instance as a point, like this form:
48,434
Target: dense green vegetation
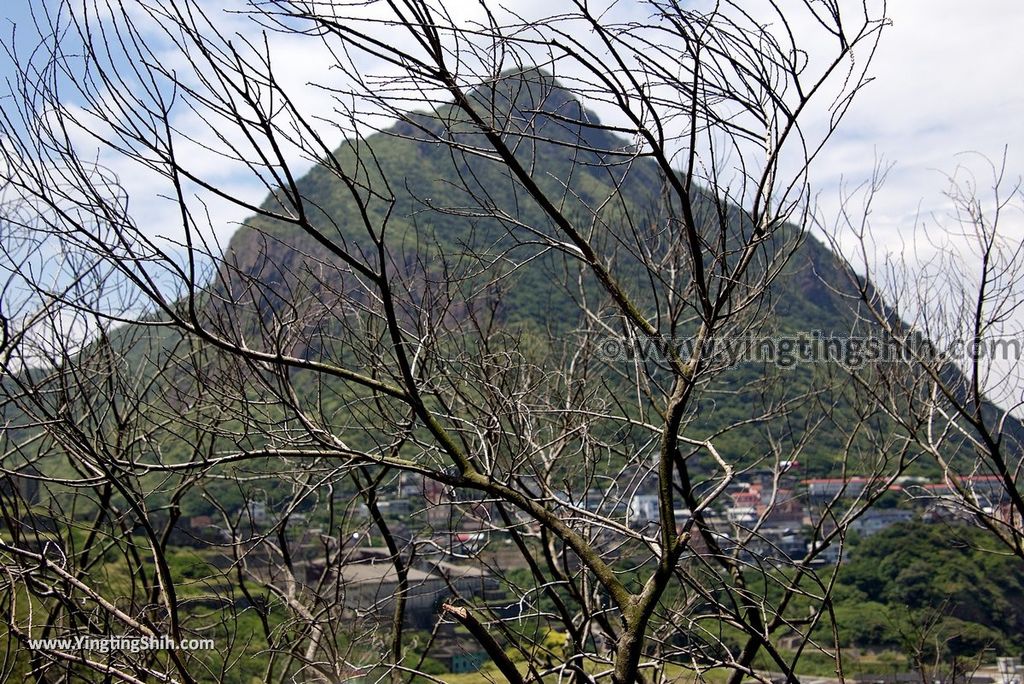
931,589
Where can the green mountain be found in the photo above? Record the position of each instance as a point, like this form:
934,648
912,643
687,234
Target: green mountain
460,219
469,250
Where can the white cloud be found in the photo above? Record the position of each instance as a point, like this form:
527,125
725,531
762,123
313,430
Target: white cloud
945,83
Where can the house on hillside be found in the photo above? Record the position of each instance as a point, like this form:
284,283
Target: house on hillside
821,490
369,584
877,519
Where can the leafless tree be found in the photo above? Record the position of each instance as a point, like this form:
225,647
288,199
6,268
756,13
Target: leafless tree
949,308
351,349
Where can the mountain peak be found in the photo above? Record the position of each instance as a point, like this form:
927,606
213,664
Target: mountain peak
531,91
